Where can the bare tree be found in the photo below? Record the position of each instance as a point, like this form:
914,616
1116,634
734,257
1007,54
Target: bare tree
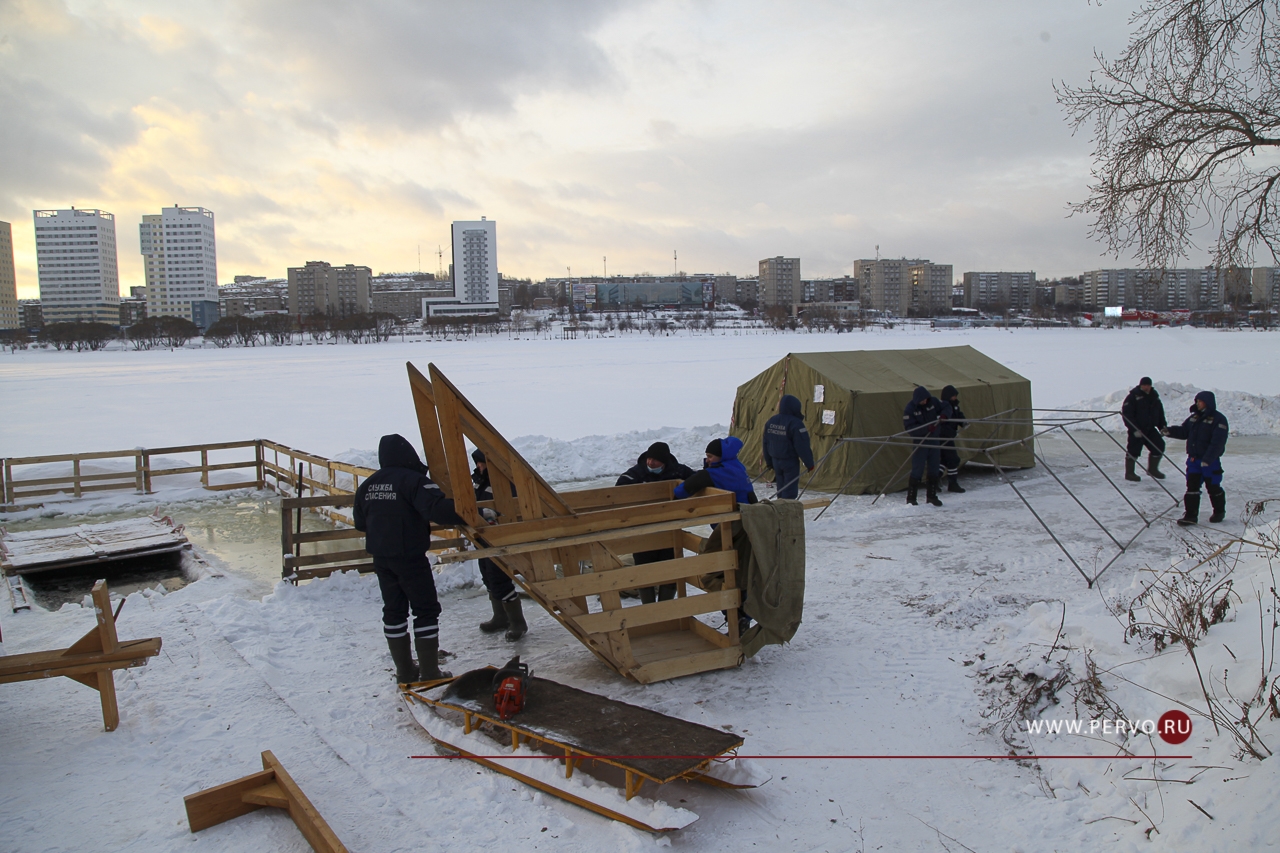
1186,123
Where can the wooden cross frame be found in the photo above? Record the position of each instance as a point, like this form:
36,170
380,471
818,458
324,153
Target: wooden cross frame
92,660
271,787
562,548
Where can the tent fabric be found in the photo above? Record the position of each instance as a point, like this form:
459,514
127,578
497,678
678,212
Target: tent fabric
773,572
861,394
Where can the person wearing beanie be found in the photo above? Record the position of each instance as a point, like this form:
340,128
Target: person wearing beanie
1206,432
508,615
1143,414
921,420
947,430
786,446
655,464
394,509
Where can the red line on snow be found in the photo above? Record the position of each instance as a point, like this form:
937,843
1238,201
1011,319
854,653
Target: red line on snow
822,757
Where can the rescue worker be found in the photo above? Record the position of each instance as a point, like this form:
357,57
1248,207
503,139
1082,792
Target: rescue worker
508,614
1206,433
721,469
394,508
1144,416
947,430
654,465
921,420
786,445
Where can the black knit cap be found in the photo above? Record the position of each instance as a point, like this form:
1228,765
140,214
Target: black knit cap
477,455
1146,380
660,451
714,448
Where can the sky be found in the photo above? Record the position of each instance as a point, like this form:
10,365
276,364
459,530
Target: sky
725,132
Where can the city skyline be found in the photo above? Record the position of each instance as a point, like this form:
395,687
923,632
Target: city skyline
727,132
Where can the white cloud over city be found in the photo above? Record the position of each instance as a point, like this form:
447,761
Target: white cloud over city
727,131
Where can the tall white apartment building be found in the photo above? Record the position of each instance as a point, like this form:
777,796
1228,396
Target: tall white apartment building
76,262
179,250
475,261
9,318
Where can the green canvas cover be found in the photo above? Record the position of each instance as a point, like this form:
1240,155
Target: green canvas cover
863,393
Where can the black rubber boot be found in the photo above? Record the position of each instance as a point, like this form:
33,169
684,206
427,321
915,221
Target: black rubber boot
648,594
666,592
1153,467
515,615
1129,473
931,492
1191,500
402,656
953,485
429,659
499,621
1218,498
913,489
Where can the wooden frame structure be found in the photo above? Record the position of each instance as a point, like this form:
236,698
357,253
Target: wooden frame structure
91,660
272,787
563,549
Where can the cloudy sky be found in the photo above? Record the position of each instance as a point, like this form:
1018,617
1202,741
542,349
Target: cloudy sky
726,131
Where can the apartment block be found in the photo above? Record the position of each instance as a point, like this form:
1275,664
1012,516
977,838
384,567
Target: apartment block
1000,291
337,291
9,317
180,259
475,261
779,282
77,265
1266,286
1195,289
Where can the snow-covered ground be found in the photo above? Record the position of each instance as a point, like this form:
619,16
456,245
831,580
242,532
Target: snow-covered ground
923,627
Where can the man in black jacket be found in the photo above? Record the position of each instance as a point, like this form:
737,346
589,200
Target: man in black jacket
1144,416
786,446
947,430
921,420
507,612
654,465
394,508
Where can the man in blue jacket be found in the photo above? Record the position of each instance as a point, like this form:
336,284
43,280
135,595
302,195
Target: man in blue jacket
394,508
921,420
722,470
1206,433
786,445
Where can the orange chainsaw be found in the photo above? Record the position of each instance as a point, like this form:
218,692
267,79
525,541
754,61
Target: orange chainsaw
510,688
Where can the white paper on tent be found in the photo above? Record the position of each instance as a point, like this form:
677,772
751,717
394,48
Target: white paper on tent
829,417
819,393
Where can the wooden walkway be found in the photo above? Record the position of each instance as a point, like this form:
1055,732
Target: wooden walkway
33,551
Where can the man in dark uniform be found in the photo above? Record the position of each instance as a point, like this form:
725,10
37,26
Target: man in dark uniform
1144,416
507,611
921,420
786,445
655,464
947,430
394,508
1206,433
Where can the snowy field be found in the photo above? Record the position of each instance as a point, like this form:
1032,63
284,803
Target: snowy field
923,629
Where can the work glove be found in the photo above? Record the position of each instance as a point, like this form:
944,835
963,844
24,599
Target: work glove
810,469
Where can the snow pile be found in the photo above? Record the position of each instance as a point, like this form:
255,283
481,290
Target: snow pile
1248,414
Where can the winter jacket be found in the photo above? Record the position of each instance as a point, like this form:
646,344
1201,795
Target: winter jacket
1144,412
640,473
395,506
921,421
480,479
785,437
1206,432
955,418
728,474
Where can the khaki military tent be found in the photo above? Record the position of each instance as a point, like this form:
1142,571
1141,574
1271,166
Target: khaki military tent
861,393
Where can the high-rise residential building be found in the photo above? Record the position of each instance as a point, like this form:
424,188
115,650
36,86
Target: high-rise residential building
999,291
336,291
9,318
180,254
929,292
475,261
1195,289
904,287
1266,286
76,262
779,282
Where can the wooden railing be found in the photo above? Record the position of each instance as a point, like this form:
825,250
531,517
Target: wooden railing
295,473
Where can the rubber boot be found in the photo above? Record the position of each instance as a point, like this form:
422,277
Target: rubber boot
515,615
1153,467
499,621
953,485
1129,473
1218,498
666,592
1191,500
429,659
648,594
402,656
913,489
931,492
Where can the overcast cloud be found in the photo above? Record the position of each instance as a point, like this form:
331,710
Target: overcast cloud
729,131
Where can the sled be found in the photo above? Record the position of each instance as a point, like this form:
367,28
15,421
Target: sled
564,549
564,729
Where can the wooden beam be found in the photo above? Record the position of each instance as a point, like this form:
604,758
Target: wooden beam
726,658
424,405
631,577
626,617
220,803
692,511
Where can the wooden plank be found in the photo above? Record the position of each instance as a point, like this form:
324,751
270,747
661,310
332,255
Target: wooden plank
631,577
107,697
726,658
711,635
326,571
455,450
328,535
84,478
291,562
226,487
270,794
220,803
194,469
313,827
424,405
54,661
616,620
31,493
613,496
318,500
693,511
